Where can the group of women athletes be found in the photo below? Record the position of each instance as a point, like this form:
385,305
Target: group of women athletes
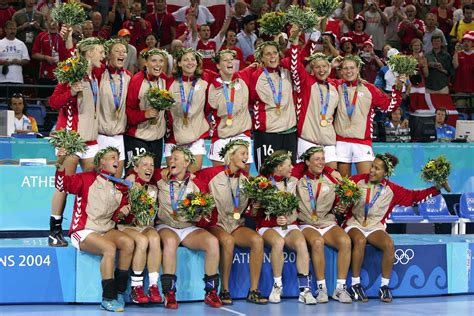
327,122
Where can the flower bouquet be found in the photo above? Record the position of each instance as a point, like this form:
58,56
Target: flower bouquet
324,8
142,205
437,172
403,64
305,18
69,140
70,13
197,205
347,191
259,189
281,203
160,99
272,23
71,70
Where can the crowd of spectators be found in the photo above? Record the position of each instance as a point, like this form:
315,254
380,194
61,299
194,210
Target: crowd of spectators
439,33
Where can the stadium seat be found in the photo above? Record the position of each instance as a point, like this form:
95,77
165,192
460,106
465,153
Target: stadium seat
38,111
465,210
404,214
435,210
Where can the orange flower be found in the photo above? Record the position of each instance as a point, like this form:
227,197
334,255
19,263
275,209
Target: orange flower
66,67
186,202
202,201
349,193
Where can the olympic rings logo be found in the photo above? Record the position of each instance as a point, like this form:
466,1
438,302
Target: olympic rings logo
470,201
430,201
404,256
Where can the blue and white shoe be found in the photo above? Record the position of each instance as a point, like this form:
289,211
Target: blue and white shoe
112,306
121,298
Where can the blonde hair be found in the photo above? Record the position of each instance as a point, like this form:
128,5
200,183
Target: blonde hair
232,151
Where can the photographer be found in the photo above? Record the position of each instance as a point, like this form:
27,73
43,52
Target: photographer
139,28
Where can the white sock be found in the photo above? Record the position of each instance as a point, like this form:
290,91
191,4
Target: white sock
56,217
355,280
137,278
153,278
321,282
277,281
385,282
340,283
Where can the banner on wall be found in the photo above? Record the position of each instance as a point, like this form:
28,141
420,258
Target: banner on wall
35,273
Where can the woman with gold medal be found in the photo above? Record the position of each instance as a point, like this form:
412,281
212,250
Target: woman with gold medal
146,126
187,123
225,183
228,99
365,221
113,94
316,192
317,101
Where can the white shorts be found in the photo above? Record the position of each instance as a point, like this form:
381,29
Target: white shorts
321,231
114,141
91,151
197,148
220,143
80,236
279,230
181,232
366,233
329,150
353,152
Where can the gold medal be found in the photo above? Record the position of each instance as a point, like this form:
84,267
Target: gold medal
324,123
278,110
153,121
236,216
185,119
365,222
228,122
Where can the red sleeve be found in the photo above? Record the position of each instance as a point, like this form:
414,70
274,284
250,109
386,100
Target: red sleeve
298,70
406,197
36,45
298,170
61,96
72,184
356,178
135,116
156,175
384,102
246,75
62,50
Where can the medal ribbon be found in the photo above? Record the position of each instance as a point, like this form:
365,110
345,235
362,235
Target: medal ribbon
368,205
229,101
236,196
53,48
275,184
349,106
312,198
174,203
186,104
117,98
117,180
325,104
276,99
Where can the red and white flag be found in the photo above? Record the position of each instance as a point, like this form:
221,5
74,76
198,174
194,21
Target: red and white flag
422,103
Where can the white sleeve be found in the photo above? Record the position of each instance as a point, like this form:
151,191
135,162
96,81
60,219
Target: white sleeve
209,17
24,52
218,39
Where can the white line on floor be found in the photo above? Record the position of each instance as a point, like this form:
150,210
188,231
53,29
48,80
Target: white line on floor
232,311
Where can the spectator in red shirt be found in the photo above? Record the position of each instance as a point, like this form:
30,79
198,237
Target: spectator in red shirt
229,43
357,34
139,28
163,24
6,13
410,28
372,63
49,48
99,29
348,47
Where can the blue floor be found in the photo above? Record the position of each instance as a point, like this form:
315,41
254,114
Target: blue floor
445,305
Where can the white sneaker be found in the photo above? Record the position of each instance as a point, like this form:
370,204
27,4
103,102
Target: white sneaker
342,295
322,296
306,297
275,295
